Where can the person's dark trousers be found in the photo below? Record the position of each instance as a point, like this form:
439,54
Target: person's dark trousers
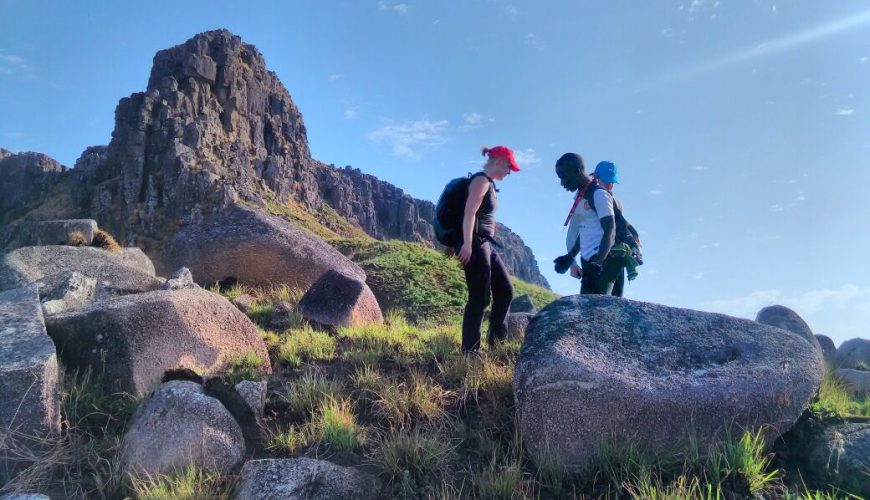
595,280
486,274
619,284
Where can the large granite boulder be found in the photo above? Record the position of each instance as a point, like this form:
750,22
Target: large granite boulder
596,367
49,267
135,257
829,350
29,393
304,479
337,300
523,304
256,249
133,340
857,381
179,425
57,232
788,320
73,291
854,353
842,458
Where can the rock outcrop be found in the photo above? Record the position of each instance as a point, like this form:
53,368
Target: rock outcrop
179,425
133,340
304,478
592,367
29,392
214,128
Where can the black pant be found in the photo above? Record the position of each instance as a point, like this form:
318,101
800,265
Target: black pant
485,274
601,281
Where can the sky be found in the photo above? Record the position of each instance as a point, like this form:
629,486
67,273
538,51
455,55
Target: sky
740,129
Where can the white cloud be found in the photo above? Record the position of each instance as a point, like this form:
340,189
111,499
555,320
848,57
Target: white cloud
700,167
351,112
777,208
655,192
800,197
335,76
773,8
802,303
407,138
401,8
532,40
843,111
11,63
474,120
863,59
698,276
695,5
527,157
14,135
512,10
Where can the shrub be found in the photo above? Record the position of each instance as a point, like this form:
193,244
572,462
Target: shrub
104,240
77,239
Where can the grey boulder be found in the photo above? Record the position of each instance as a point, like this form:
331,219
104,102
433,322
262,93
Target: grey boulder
136,258
179,280
523,304
73,291
595,367
829,350
788,320
304,479
133,340
842,458
854,353
338,299
29,392
57,232
857,381
517,324
177,426
255,249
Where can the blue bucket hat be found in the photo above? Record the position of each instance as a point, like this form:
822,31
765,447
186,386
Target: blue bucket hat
606,172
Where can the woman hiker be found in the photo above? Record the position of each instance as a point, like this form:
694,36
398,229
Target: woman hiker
485,273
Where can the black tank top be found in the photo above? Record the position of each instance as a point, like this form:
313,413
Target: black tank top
486,212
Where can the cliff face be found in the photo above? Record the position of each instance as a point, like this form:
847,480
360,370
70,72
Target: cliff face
214,128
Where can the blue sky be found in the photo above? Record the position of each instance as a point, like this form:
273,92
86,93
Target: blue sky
740,128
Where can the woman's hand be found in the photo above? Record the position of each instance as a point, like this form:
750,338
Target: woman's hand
464,254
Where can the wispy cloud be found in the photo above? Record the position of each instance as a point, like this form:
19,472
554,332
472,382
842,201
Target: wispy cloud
762,49
474,120
408,139
351,112
527,158
14,64
14,135
335,76
808,302
533,41
655,192
401,8
863,59
700,168
844,111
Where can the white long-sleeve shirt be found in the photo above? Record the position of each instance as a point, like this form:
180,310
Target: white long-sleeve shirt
585,224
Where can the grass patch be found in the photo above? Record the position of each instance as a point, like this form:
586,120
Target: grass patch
104,240
417,399
244,367
743,460
76,239
337,427
323,222
835,400
502,482
190,483
306,393
412,452
288,441
303,345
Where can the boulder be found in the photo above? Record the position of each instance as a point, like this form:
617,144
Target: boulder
517,324
523,304
594,367
788,320
244,302
49,267
56,232
133,340
179,425
29,393
136,258
25,496
854,353
338,300
842,458
255,249
829,350
73,291
304,479
857,381
253,392
179,280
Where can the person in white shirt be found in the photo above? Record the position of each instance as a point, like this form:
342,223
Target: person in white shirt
592,231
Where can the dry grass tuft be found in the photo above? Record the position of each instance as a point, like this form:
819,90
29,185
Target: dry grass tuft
104,240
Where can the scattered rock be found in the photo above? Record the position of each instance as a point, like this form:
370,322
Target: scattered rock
304,479
857,381
254,248
134,339
179,280
29,393
254,394
854,353
244,302
517,324
829,350
592,367
73,291
788,320
842,458
523,304
179,426
49,266
282,316
338,300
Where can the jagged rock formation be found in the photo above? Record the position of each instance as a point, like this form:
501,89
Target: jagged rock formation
214,128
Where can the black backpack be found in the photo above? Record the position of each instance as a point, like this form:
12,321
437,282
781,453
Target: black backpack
450,210
625,232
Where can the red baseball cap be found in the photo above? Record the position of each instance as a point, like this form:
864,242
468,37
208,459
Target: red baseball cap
504,152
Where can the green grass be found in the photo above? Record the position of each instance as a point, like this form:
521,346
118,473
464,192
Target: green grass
304,345
835,401
306,393
337,427
540,296
289,440
412,452
746,458
244,367
190,483
400,402
323,222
